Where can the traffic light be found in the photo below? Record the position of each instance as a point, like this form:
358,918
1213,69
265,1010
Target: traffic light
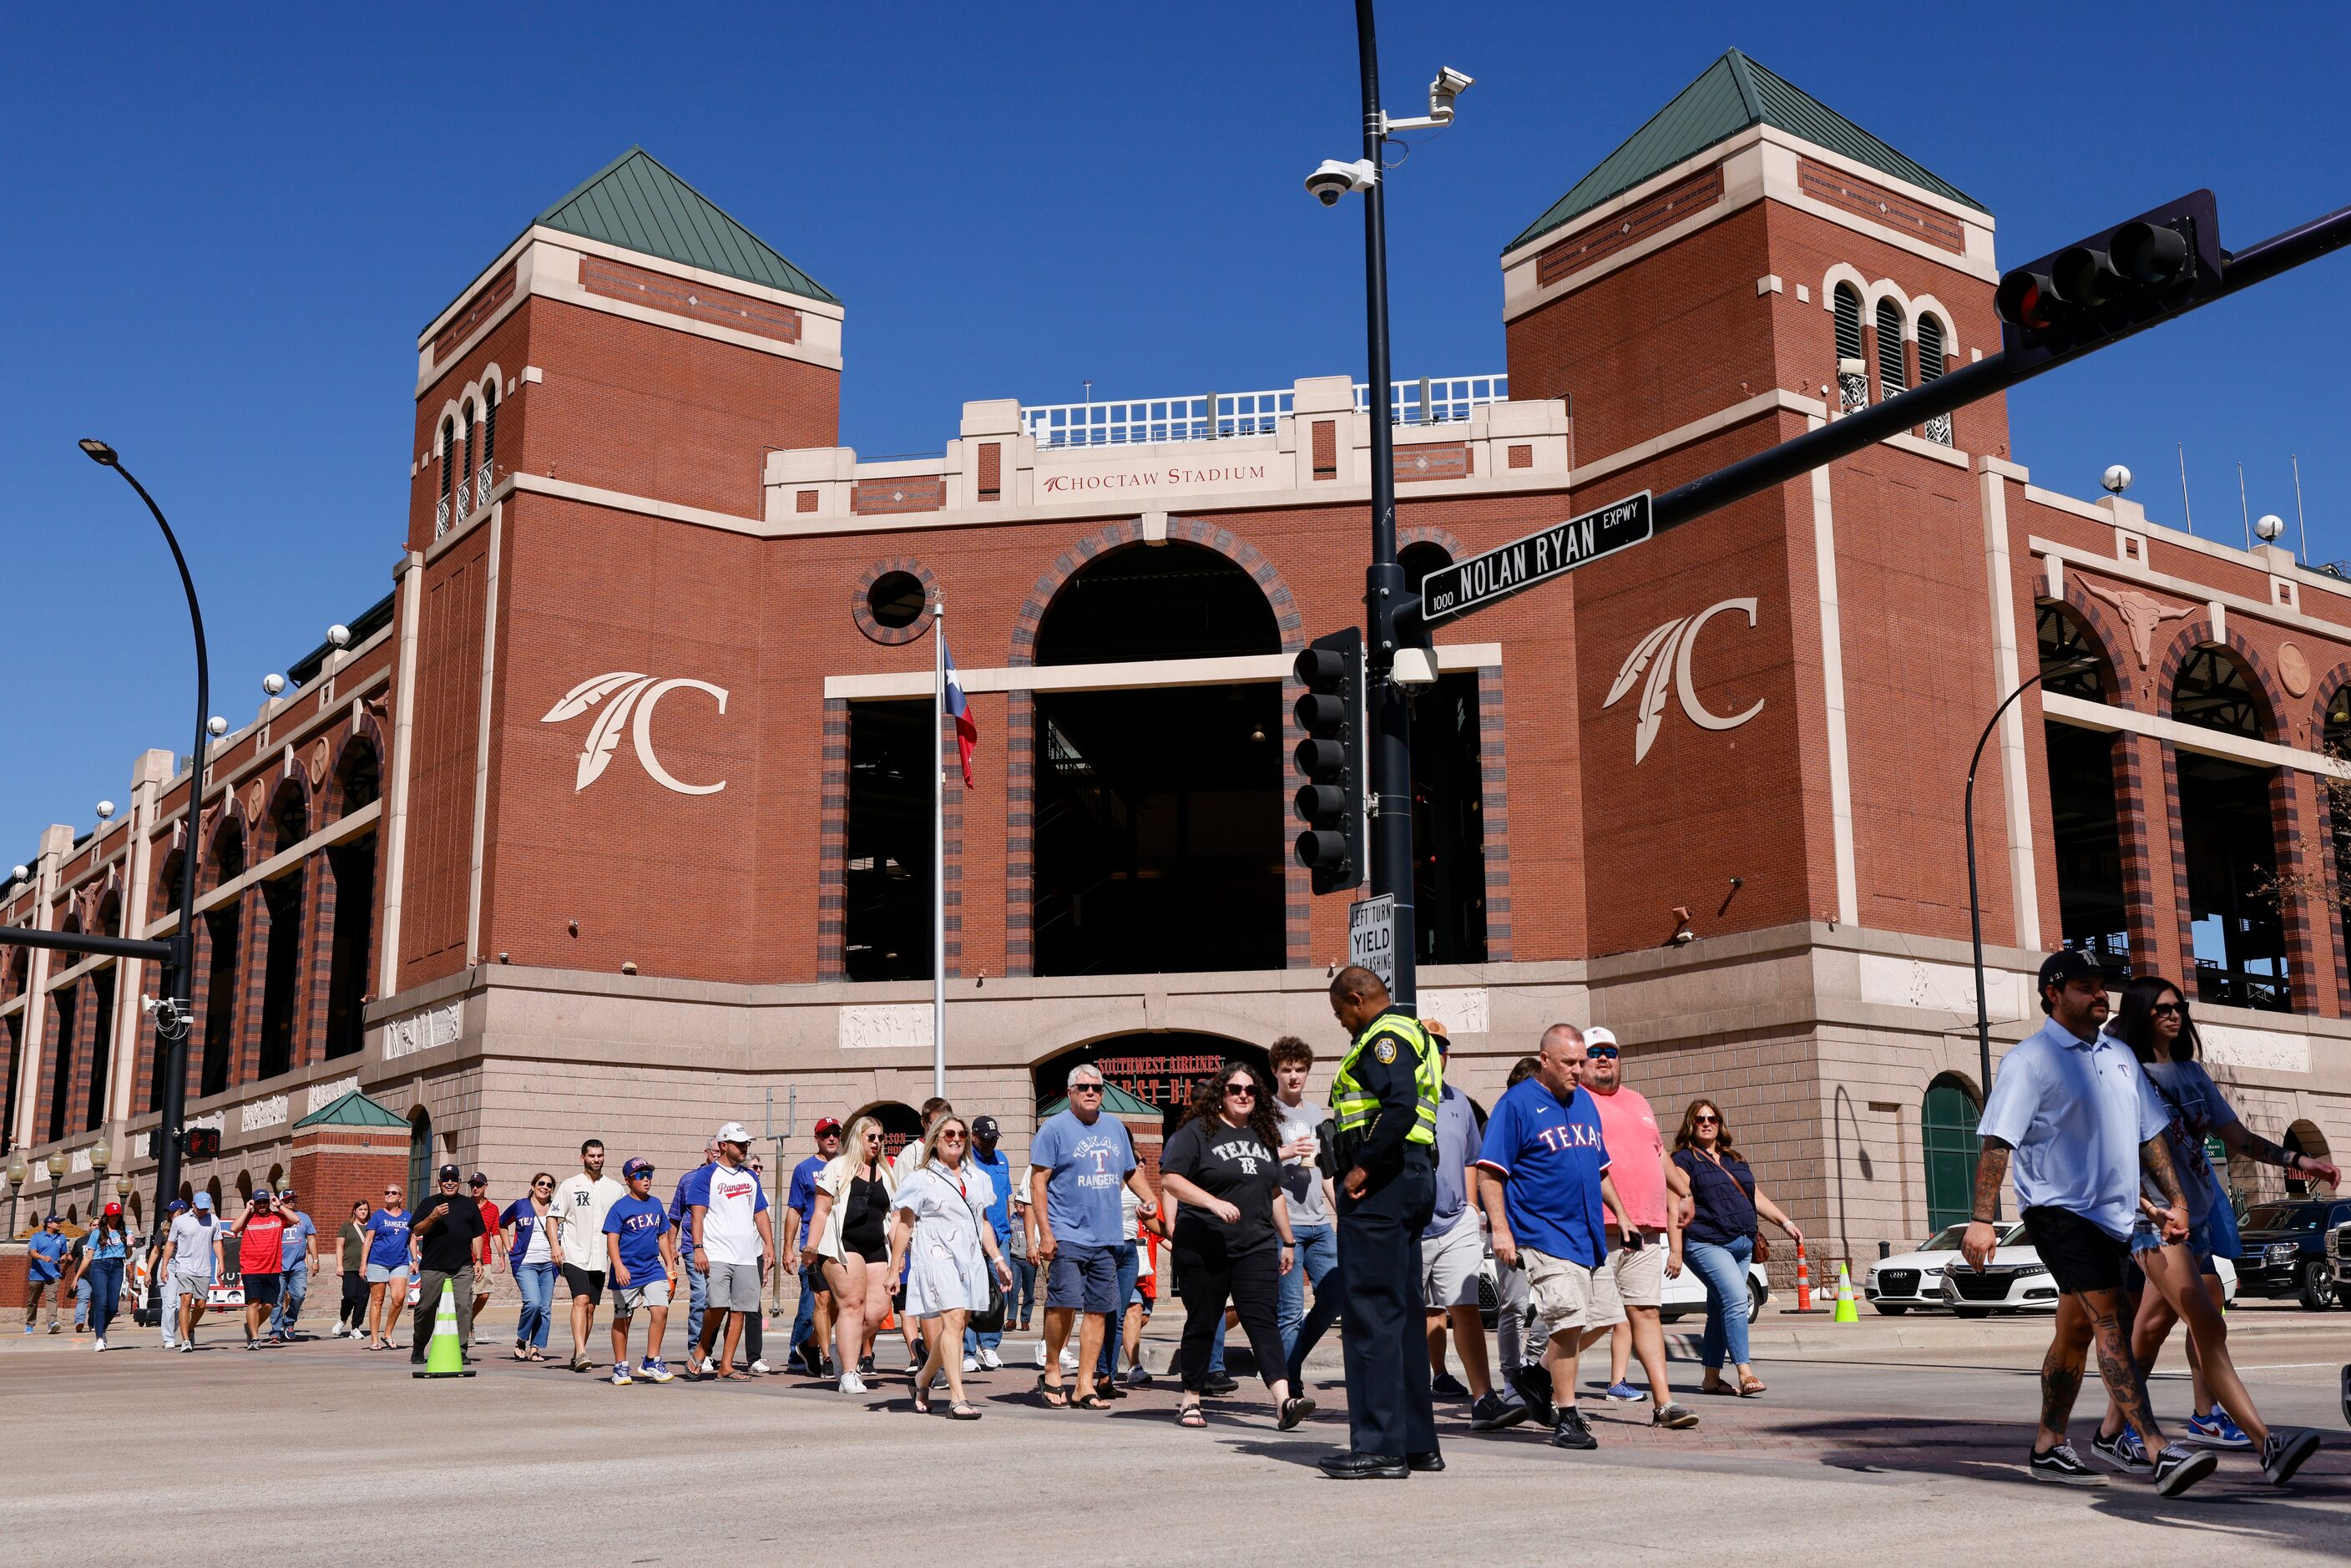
200,1143
2111,285
1330,799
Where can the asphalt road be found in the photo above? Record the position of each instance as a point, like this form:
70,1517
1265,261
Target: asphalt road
327,1453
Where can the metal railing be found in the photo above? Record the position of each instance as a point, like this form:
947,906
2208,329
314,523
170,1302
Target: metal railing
441,517
1213,416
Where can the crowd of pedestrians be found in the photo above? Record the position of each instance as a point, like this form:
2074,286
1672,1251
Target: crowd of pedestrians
1569,1185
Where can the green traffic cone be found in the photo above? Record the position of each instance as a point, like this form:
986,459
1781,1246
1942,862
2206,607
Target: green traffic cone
1847,1312
446,1356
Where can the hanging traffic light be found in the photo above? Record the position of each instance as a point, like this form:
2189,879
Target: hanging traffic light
1330,799
2111,285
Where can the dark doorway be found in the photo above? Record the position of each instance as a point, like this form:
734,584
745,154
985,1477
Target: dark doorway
901,1123
1449,827
2088,844
1160,824
420,1157
2065,642
61,1052
353,866
1947,1124
281,972
2230,841
886,923
1160,1068
101,1049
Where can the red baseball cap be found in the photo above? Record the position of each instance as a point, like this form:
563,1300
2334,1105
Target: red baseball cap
114,1208
826,1127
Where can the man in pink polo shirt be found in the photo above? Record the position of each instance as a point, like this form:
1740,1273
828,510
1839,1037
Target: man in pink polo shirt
1640,1240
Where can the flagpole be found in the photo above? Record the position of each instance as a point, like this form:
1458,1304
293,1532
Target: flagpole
939,850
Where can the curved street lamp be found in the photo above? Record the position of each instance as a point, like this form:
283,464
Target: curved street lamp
1975,904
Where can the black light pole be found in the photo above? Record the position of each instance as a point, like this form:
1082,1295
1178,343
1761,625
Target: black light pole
1975,905
1385,714
175,1012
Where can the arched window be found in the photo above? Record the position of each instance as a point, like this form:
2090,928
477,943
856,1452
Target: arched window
1893,372
441,519
1931,368
1852,370
2211,692
467,420
420,1157
2084,824
1948,1127
489,439
2065,640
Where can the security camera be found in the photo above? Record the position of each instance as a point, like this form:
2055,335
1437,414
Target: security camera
2116,479
1449,85
273,683
217,727
106,811
2269,526
1332,179
339,635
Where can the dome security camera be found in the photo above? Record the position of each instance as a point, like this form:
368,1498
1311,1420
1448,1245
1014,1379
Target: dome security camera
1332,180
339,635
2116,479
273,683
2269,526
217,727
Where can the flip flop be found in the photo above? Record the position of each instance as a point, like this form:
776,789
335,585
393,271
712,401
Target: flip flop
1057,1396
1090,1402
962,1411
1294,1410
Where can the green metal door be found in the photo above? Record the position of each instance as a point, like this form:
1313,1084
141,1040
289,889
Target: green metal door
1949,1124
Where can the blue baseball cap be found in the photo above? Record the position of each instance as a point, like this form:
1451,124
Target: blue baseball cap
637,1167
177,1205
204,1201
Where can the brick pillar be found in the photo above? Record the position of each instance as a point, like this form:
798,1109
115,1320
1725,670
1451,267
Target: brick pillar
332,1167
314,969
252,984
2155,877
2309,927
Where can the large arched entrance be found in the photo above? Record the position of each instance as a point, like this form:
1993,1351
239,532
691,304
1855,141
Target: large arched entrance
1160,1068
1948,1127
901,1122
1158,815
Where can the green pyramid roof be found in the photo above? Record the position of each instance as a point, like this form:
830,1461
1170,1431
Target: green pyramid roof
1729,96
635,202
352,1110
1115,1101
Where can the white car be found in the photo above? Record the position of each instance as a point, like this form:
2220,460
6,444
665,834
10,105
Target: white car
1895,1285
2016,1280
1684,1293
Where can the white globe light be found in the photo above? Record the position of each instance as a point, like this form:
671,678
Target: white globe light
339,635
105,810
2116,479
217,727
273,683
2269,526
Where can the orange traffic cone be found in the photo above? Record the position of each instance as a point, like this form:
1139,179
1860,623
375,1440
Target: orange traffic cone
1803,1281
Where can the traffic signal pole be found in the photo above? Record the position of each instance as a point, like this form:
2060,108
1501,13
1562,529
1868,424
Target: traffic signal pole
1388,718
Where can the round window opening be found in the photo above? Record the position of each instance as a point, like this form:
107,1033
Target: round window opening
897,600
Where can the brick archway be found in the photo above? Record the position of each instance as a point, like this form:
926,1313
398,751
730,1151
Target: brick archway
1019,728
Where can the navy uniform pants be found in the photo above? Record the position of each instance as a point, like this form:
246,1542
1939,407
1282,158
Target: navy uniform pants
1387,1343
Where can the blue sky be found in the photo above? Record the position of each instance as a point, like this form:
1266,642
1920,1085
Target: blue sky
222,237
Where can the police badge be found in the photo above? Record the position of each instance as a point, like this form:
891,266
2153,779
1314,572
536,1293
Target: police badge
1384,1051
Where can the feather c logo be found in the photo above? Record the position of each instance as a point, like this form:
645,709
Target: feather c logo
1665,654
639,695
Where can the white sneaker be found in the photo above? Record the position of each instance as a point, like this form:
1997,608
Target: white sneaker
990,1361
1069,1359
101,1345
620,1378
852,1384
709,1368
1041,1353
761,1367
971,1364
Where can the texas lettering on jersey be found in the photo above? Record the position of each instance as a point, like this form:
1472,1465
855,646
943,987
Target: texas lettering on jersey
1248,1151
1569,1135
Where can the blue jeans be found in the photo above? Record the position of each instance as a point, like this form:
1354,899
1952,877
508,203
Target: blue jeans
535,1283
103,1278
1724,1269
1129,1255
804,1316
1317,1254
294,1285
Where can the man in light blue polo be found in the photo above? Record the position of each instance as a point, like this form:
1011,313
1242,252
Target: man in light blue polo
2070,1104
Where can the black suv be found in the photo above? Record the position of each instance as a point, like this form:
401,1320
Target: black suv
2284,1249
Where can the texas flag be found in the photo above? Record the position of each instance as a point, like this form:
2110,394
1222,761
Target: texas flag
967,732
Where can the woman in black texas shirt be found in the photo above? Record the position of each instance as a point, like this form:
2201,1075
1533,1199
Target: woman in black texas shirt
1232,1239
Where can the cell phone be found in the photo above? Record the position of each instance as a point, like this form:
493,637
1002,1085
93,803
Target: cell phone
1635,1241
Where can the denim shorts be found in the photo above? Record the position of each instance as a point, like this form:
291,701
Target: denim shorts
1084,1278
2145,1238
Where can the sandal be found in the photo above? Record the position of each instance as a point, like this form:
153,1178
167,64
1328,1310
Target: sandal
1294,1410
535,1356
964,1410
731,1376
1751,1386
921,1401
1090,1402
1056,1397
1191,1415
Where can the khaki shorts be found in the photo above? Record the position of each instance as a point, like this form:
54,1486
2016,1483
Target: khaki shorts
1448,1264
1563,1293
627,1299
1628,1279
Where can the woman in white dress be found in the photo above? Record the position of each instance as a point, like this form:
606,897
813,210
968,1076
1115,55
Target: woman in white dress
946,1249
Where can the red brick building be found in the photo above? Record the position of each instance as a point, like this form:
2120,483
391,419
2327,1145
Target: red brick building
615,818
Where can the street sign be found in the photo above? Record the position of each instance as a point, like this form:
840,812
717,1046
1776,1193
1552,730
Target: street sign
1371,935
1488,578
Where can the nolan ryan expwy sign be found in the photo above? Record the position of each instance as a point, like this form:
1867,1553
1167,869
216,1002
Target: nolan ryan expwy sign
1488,579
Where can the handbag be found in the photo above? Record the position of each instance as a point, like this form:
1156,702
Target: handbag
988,1319
1762,1253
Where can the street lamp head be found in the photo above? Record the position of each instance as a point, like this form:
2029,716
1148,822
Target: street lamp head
2269,527
56,1162
100,1156
17,1169
339,636
106,811
217,727
273,683
19,873
99,451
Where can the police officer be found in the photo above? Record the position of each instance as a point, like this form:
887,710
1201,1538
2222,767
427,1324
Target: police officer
1384,1105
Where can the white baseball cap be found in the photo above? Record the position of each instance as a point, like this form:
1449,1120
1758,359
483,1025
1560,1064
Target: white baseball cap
1601,1034
733,1132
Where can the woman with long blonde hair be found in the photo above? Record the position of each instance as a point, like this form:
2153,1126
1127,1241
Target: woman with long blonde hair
848,1240
945,1250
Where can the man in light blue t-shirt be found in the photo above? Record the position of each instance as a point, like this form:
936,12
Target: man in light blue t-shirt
1078,1160
2071,1104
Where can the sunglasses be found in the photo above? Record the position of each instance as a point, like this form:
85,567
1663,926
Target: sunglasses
951,1137
392,1192
1240,1091
1607,1051
1085,1088
2166,1010
1706,1120
542,1184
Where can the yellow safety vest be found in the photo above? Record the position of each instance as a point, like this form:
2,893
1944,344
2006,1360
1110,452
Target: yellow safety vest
1354,1109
